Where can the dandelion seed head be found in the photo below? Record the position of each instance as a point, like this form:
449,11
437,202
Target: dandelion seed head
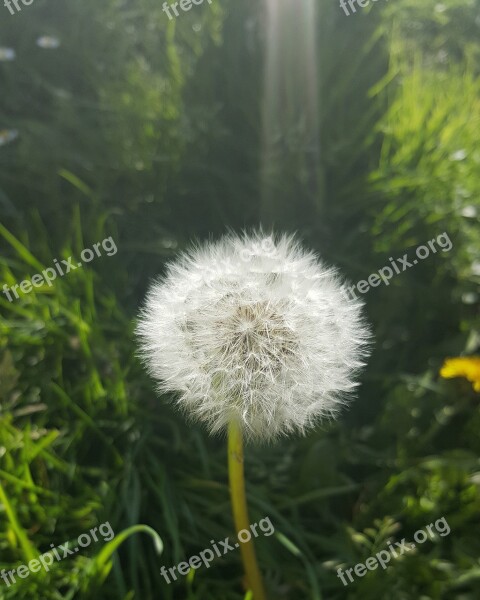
256,329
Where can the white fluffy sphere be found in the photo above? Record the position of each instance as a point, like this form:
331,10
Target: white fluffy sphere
255,329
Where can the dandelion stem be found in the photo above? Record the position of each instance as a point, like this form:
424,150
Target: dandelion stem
240,511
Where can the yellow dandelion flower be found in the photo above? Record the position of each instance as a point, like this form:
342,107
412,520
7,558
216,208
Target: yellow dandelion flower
463,366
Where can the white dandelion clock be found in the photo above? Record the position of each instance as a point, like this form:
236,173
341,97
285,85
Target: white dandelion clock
256,330
255,335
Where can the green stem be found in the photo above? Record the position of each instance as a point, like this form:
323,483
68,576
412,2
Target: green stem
240,511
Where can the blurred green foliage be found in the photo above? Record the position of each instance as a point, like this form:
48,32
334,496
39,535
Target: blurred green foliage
150,131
